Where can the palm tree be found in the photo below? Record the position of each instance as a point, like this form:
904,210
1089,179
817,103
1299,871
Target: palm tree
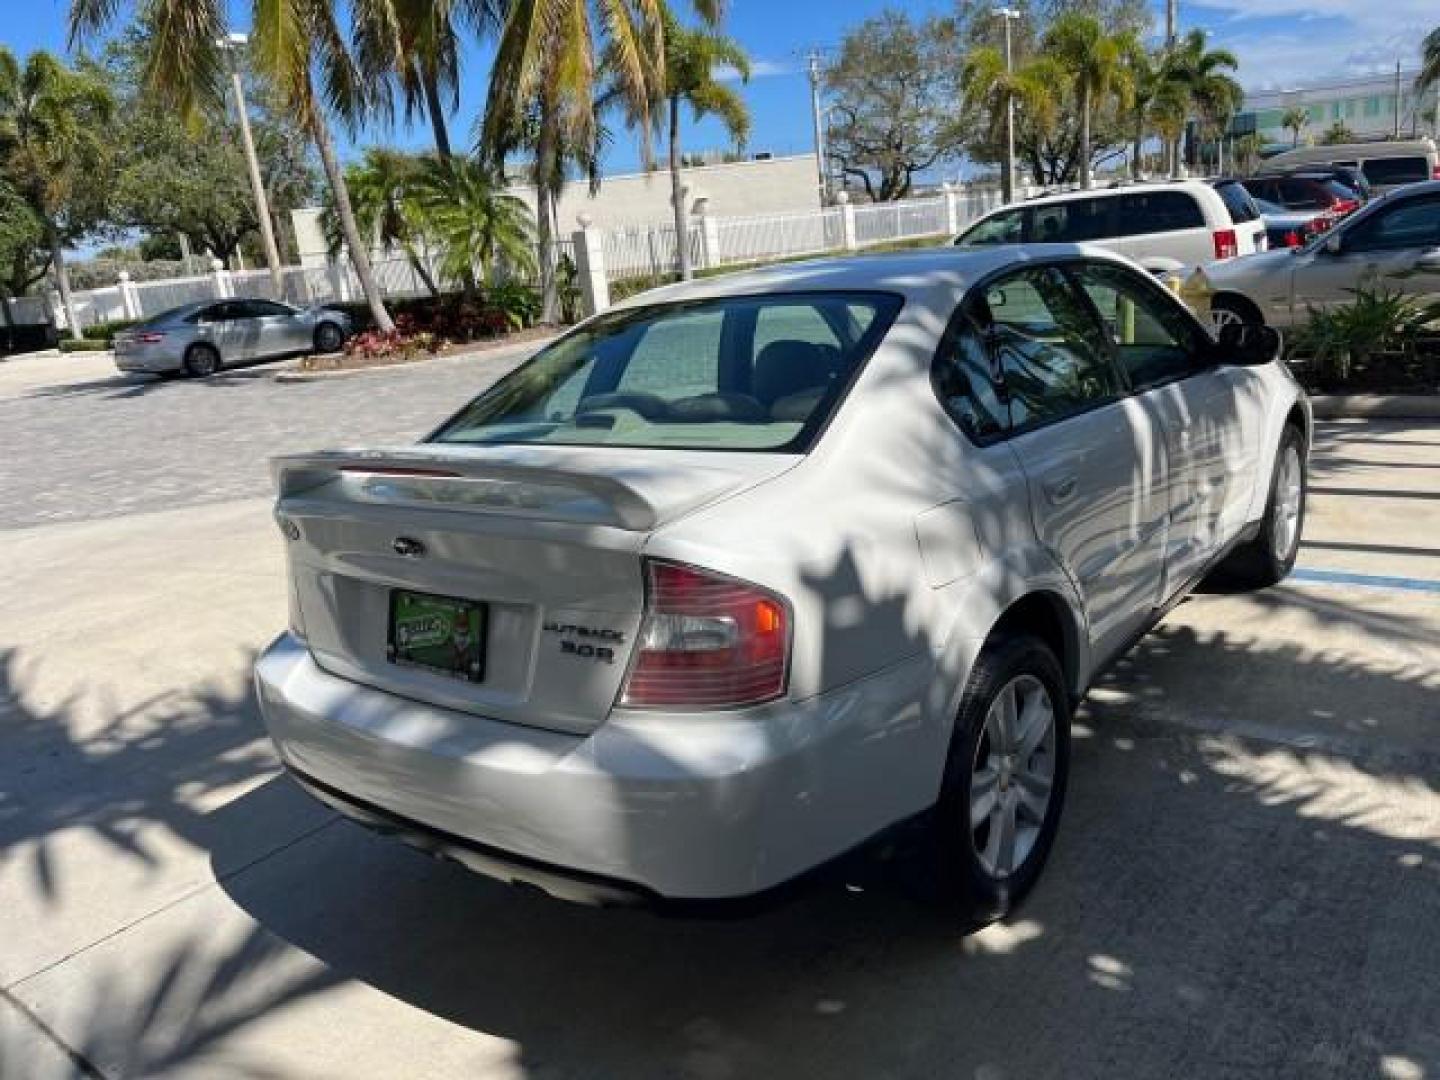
1095,59
416,45
546,70
293,42
692,56
53,123
1213,94
986,80
1295,121
1148,84
473,220
382,192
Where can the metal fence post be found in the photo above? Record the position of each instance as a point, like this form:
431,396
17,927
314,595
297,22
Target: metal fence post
221,281
590,266
129,296
847,221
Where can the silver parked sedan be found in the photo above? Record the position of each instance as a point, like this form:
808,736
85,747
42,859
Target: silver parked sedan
1393,242
199,339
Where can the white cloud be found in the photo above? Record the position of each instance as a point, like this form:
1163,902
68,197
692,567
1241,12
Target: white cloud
759,69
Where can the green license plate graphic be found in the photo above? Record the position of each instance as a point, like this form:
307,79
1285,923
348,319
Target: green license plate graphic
438,633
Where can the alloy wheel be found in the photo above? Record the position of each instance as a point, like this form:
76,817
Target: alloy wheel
1289,499
1012,776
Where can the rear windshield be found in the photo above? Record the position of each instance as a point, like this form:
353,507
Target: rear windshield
1397,170
729,373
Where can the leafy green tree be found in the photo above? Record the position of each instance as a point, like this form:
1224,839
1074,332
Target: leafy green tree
893,92
1204,74
299,46
1096,61
24,252
1295,120
383,191
473,220
990,85
1336,134
55,152
692,58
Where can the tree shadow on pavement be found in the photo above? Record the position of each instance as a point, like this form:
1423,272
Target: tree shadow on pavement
1215,906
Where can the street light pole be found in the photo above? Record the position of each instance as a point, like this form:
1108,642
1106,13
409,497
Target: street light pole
1007,181
257,185
824,182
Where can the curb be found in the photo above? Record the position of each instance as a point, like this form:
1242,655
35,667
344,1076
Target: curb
494,352
1376,406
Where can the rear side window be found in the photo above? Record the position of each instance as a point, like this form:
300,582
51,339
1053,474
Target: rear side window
1237,200
725,373
1158,211
1399,170
1303,195
1051,352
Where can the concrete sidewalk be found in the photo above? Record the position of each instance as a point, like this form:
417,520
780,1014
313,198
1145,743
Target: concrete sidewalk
1247,881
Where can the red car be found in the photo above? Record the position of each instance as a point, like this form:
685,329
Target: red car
1302,192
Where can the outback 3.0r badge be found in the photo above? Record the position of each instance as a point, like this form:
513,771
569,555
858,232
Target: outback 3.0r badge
591,642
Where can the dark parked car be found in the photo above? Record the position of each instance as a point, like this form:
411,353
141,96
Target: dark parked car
1305,191
1350,176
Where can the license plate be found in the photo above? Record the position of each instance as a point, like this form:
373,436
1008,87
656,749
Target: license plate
443,634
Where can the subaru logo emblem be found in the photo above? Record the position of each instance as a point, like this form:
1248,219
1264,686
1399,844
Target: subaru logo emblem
408,546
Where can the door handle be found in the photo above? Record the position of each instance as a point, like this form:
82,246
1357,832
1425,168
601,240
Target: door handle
1059,491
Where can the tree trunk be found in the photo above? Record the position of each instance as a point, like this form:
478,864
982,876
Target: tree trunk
545,219
436,108
1085,137
1135,163
677,194
421,271
62,281
359,248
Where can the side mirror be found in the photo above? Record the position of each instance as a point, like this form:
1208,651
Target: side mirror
1333,245
1246,345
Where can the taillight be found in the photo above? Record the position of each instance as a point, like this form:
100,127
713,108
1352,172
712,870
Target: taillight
707,641
1226,244
1435,172
1292,239
1341,207
150,338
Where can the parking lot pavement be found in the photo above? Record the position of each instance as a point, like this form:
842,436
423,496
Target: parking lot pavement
1247,880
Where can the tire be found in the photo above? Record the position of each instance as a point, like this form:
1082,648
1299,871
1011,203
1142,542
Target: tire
329,337
1225,309
1270,556
202,361
974,880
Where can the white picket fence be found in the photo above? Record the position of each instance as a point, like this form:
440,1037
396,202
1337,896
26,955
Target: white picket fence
609,255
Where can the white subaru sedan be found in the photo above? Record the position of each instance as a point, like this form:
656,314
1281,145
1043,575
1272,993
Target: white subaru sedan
745,572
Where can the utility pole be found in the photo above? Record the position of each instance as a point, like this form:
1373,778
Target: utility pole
1007,181
1172,17
813,60
1396,133
230,45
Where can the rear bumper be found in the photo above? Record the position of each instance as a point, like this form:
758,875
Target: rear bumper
653,807
146,360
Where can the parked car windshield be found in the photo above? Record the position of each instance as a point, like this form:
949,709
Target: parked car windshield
727,373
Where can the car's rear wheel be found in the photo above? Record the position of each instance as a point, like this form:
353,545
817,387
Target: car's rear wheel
1270,556
1005,780
1232,311
202,361
328,338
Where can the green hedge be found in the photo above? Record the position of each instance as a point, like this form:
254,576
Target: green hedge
68,345
105,331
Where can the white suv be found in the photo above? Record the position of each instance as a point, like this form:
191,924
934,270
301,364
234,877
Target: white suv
1163,226
747,571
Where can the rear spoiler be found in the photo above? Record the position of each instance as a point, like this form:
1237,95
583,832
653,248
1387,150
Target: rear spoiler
626,499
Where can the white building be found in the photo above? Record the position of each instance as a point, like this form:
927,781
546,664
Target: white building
1367,106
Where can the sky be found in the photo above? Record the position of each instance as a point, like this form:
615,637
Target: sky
1280,44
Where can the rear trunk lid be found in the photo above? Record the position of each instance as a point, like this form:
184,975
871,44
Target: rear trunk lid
546,541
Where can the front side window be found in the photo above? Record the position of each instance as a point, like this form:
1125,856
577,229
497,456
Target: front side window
1154,342
1002,228
726,373
1414,223
1051,352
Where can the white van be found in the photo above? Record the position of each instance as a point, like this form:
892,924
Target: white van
1387,165
1163,226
